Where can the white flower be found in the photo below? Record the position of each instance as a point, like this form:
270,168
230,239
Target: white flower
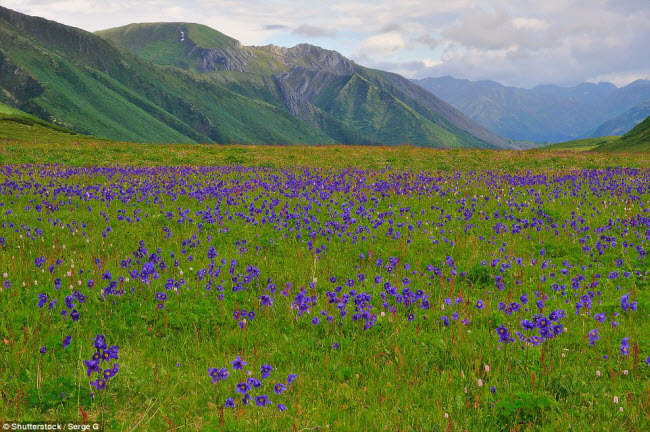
615,399
597,373
487,368
480,382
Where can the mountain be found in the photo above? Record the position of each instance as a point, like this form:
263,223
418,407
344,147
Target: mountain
546,113
624,122
80,81
635,141
180,82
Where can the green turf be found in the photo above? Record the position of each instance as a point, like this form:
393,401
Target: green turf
636,140
398,375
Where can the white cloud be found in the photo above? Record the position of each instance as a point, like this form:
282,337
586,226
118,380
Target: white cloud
518,43
382,44
428,63
529,23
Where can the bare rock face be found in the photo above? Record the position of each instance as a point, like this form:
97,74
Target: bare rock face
18,87
319,59
235,59
293,101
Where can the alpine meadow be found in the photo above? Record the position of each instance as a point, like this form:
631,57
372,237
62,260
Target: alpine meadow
202,235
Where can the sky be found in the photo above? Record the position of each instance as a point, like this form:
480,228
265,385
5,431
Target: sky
515,42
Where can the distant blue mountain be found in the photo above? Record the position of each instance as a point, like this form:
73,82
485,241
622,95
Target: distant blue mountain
546,113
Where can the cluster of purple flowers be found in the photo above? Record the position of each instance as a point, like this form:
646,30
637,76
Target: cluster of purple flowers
250,384
243,316
103,354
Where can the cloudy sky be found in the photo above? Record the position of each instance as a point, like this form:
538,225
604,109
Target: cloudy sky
515,42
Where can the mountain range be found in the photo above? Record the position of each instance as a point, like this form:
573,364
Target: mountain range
182,82
546,113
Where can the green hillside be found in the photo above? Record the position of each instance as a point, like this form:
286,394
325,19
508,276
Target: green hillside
635,141
308,82
18,125
580,145
82,82
188,83
168,43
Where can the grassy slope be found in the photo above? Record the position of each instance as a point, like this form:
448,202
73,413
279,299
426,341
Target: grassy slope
344,118
161,43
585,144
99,90
16,125
635,141
377,113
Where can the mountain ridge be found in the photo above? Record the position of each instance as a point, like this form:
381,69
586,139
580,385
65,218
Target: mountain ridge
302,72
544,113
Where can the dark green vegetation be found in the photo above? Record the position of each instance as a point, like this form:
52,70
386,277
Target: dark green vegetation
178,82
636,140
18,125
546,113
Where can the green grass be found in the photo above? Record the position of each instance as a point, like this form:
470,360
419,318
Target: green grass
89,152
18,125
636,140
397,375
580,145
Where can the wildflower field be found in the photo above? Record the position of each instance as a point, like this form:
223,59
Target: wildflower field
404,290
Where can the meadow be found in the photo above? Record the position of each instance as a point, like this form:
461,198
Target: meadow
154,287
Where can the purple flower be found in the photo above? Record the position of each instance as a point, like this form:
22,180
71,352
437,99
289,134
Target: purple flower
266,370
504,334
242,388
281,407
66,341
43,350
92,366
291,378
238,363
42,299
217,374
262,400
100,384
593,337
253,383
625,346
279,388
230,403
